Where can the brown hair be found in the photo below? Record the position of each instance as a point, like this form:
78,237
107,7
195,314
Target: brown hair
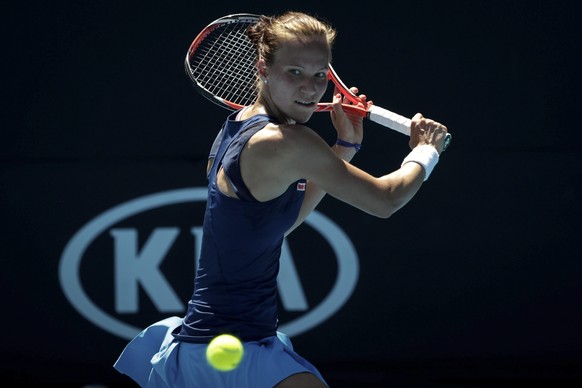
270,31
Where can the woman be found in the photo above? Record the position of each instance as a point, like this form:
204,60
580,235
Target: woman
267,171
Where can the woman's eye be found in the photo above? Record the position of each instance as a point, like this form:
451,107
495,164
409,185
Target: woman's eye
295,72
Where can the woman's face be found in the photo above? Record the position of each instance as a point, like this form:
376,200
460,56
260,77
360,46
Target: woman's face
297,79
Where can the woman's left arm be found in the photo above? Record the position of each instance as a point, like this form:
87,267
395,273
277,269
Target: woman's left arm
350,129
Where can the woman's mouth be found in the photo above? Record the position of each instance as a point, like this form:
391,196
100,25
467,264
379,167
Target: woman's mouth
305,103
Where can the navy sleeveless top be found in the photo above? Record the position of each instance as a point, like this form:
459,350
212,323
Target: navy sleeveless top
235,288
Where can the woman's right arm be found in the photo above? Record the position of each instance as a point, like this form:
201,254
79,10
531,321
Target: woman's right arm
379,196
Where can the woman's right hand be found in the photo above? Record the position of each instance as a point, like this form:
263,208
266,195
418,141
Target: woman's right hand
427,131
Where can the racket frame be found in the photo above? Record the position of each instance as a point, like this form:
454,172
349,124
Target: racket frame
374,113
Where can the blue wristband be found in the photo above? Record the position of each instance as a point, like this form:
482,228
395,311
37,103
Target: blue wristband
346,144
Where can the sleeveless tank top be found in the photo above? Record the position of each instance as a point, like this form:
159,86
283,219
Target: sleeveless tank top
235,287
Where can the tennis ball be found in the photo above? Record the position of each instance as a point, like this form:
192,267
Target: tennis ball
224,352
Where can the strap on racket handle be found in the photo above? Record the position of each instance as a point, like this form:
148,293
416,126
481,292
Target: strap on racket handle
396,122
389,119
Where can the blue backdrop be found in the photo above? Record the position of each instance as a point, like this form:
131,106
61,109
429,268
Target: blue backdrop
103,134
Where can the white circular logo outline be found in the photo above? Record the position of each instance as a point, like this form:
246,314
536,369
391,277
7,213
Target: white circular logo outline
347,258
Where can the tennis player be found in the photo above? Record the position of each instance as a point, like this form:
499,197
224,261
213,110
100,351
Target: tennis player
267,171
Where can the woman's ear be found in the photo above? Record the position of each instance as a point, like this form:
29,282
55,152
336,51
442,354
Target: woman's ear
262,67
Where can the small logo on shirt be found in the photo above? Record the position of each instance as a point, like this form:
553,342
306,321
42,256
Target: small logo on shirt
301,186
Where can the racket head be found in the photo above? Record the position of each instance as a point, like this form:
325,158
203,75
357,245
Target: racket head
333,77
221,62
345,91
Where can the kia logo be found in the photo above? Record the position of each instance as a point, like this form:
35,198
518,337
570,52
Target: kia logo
140,269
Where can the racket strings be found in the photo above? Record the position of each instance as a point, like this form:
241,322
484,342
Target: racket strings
224,64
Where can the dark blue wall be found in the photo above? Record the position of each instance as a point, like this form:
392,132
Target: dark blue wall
97,112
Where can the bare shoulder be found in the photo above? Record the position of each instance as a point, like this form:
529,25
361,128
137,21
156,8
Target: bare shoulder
287,140
279,155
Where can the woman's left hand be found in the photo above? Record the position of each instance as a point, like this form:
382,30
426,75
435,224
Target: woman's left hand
349,125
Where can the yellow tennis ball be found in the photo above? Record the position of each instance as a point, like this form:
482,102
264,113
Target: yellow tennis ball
224,352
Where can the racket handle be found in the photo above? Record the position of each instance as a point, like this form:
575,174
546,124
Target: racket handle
389,119
396,122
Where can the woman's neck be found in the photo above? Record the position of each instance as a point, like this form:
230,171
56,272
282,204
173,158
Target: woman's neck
263,107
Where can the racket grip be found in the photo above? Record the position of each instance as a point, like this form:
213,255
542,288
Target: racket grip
389,119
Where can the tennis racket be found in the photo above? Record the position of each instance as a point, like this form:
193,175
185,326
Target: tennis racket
221,62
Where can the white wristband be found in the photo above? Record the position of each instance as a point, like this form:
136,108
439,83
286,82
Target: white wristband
425,155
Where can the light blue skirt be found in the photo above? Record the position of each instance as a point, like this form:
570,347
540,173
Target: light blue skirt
155,359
